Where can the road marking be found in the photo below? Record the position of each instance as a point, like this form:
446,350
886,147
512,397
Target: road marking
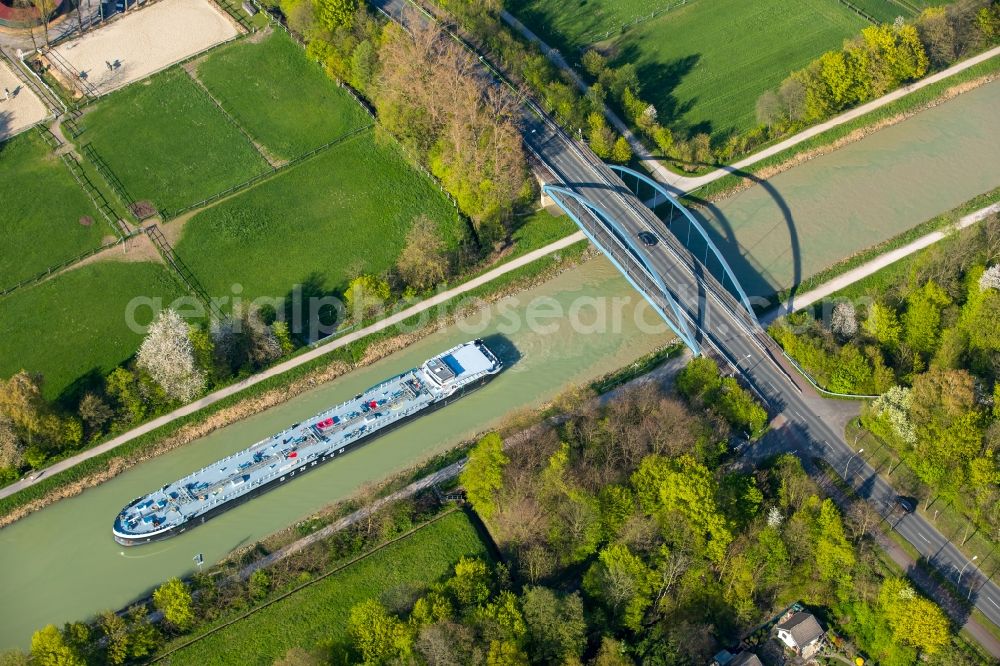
990,599
923,537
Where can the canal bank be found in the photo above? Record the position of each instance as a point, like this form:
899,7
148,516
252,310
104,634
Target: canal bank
801,221
61,564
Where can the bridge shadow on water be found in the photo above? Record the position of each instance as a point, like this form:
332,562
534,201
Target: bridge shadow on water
757,281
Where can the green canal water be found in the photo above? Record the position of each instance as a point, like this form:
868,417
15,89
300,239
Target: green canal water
808,218
61,563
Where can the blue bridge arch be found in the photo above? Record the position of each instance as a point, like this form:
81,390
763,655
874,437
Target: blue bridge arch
692,224
680,328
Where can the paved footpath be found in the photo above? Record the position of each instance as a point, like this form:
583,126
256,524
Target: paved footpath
804,300
320,350
690,183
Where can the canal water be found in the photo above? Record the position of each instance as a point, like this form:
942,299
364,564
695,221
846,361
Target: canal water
801,221
61,563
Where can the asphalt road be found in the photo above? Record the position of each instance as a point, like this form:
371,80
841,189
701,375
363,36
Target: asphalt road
813,426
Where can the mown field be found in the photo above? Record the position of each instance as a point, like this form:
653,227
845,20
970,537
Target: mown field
284,101
571,25
75,323
346,210
318,614
168,143
705,63
40,210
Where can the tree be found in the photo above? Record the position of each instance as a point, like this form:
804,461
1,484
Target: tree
621,152
94,412
922,319
423,262
173,599
11,451
363,63
793,97
769,109
483,474
121,386
49,648
663,138
937,35
333,14
116,636
624,582
378,636
259,584
601,136
45,9
914,620
833,553
168,356
883,324
471,583
144,637
699,378
683,488
22,402
844,320
366,295
557,631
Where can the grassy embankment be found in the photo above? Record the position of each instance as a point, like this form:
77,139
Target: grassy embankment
316,614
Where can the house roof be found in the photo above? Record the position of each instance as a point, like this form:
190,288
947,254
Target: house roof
745,659
803,627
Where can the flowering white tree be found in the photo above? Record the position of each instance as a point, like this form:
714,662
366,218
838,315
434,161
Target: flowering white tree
894,405
990,279
844,322
774,517
168,356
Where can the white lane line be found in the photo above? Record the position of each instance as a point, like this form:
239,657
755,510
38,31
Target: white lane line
990,599
919,534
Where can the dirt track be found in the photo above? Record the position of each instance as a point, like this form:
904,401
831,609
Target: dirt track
22,110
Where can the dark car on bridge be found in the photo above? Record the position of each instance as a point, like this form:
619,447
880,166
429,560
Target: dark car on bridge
648,239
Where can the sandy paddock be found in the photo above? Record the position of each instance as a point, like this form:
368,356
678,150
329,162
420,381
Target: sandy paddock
145,41
22,110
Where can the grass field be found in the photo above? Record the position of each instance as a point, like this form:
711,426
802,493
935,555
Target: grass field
573,24
75,323
40,210
318,614
168,143
284,101
347,209
703,65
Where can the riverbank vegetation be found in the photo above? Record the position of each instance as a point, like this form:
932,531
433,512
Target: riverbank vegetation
921,335
254,399
626,535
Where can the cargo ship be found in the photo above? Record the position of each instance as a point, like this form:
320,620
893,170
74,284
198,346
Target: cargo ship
192,500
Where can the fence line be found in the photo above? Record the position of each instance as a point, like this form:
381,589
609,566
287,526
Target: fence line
622,27
113,182
229,116
96,196
86,87
236,14
169,215
58,267
857,10
182,270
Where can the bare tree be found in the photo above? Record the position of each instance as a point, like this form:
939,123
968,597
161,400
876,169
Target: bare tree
45,9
